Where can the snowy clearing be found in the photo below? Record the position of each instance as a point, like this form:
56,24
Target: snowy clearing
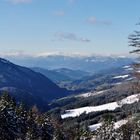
128,68
129,79
121,76
109,106
125,67
138,71
119,83
117,125
88,94
95,126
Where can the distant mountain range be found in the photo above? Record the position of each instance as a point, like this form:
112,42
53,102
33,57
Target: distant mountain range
62,74
113,92
92,64
79,74
102,80
27,85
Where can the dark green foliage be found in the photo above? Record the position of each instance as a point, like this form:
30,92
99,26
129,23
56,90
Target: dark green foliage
18,123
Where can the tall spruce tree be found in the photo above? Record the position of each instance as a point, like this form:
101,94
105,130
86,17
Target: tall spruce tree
18,123
134,41
107,130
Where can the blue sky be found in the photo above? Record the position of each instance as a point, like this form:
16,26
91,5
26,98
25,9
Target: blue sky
67,26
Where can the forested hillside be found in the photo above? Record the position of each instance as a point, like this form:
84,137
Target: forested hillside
18,123
69,70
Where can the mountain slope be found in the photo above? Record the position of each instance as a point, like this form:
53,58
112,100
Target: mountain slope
103,79
108,106
52,74
23,78
91,64
22,96
72,74
63,74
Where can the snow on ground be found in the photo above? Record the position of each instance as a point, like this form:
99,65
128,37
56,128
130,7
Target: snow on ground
109,106
117,125
88,94
121,76
125,67
119,83
138,71
129,79
130,99
120,123
95,126
129,68
84,95
79,111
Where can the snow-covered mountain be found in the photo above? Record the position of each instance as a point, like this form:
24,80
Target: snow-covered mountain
91,64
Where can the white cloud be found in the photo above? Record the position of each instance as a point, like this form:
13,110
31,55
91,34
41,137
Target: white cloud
20,53
12,53
94,20
19,1
70,36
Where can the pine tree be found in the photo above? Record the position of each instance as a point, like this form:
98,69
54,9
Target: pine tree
126,132
107,130
134,41
8,118
22,114
17,123
32,132
58,128
46,127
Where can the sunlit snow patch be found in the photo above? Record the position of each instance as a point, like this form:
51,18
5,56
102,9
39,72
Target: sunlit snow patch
109,106
121,76
117,125
88,94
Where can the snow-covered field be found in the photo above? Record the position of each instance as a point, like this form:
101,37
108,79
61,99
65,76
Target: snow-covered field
109,106
121,76
88,94
117,125
119,83
95,126
126,67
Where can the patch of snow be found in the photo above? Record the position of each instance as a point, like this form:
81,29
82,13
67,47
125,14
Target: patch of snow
129,79
130,99
119,83
79,111
84,95
88,94
117,125
95,126
120,123
121,76
129,69
125,67
109,106
138,71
